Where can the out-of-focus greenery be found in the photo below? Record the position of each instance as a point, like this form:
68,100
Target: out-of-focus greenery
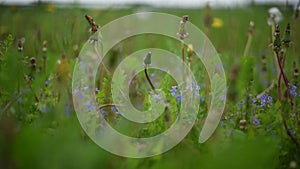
39,128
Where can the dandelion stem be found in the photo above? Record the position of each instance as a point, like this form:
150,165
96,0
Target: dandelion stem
148,79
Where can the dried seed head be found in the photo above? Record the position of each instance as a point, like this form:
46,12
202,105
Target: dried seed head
251,28
277,40
45,44
182,34
20,44
185,18
243,124
33,62
147,60
208,18
94,26
287,36
275,16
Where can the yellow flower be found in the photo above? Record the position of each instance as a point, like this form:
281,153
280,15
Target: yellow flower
190,49
51,7
217,23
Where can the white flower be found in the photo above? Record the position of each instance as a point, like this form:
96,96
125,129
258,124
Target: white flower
275,16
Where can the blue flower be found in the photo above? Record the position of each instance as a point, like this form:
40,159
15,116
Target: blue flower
103,112
254,100
223,97
20,100
263,97
256,122
178,98
293,90
202,99
270,100
196,94
173,91
97,90
114,109
47,82
89,106
76,91
196,87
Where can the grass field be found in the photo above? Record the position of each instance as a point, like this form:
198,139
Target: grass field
260,128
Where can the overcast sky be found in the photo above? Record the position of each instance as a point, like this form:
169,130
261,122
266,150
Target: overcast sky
186,3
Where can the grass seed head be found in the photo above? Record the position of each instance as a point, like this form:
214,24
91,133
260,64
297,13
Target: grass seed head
277,40
287,36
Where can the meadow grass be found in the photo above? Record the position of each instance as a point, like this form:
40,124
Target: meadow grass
46,133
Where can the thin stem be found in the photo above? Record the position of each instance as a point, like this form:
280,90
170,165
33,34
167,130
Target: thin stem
280,76
148,79
289,133
182,57
286,82
7,105
246,51
108,105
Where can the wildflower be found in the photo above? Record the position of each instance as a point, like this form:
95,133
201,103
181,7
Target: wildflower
173,91
217,23
50,7
46,83
103,112
293,90
275,16
231,121
196,94
196,87
182,30
157,98
178,98
270,100
190,51
223,97
243,124
89,106
256,122
114,109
